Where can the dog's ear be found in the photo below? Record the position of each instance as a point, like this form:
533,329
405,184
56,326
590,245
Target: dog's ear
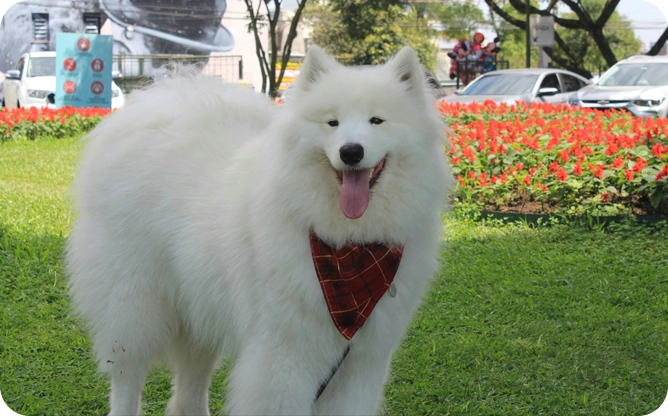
407,68
315,65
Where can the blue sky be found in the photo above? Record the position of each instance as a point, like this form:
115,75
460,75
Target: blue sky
648,20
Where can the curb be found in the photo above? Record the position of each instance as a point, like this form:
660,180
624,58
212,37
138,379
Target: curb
545,218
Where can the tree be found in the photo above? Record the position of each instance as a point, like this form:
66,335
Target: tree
513,46
659,43
268,17
586,25
618,32
460,19
369,32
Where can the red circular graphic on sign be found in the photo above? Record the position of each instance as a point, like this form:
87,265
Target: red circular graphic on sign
69,87
97,87
70,64
97,65
83,44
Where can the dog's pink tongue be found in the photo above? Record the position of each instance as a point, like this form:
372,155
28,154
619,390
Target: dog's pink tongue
355,193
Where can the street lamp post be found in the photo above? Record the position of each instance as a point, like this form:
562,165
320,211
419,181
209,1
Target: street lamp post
528,33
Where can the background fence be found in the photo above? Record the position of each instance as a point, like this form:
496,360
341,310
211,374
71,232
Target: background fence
467,70
142,70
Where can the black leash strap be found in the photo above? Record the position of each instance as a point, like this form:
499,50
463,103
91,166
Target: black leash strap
331,375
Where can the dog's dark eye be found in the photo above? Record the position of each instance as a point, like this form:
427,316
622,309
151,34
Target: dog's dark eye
376,120
333,123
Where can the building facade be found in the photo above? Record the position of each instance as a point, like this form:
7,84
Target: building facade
139,28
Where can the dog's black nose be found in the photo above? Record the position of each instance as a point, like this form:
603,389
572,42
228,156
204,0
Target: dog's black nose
351,153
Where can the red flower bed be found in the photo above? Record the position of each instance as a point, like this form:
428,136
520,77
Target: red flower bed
34,123
557,158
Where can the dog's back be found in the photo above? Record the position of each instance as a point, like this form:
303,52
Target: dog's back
144,172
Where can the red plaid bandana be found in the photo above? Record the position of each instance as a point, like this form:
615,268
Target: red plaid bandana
353,279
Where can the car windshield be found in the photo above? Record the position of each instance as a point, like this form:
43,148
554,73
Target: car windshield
42,67
634,74
502,84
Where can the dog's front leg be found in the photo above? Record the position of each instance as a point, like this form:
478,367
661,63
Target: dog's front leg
268,381
357,386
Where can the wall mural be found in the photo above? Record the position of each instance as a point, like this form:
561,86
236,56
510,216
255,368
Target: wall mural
138,27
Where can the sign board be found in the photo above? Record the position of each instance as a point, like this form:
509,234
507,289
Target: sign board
542,30
83,70
290,75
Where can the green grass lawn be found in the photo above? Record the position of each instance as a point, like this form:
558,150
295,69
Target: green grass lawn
549,320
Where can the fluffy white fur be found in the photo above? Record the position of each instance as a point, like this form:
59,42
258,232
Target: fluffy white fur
195,203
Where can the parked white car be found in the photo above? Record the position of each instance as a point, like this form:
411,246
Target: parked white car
34,77
638,84
529,85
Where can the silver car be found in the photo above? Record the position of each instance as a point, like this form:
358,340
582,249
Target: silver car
638,84
528,85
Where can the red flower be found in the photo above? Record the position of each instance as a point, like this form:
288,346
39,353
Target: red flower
640,165
578,138
467,152
618,163
662,174
612,149
598,171
629,174
561,174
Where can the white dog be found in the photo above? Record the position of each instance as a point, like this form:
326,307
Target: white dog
212,223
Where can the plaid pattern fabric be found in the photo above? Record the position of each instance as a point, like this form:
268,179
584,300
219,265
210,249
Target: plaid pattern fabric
353,279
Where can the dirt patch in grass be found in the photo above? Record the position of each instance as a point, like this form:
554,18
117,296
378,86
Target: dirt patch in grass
638,206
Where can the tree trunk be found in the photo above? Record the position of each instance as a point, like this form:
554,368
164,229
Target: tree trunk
584,21
271,82
659,43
